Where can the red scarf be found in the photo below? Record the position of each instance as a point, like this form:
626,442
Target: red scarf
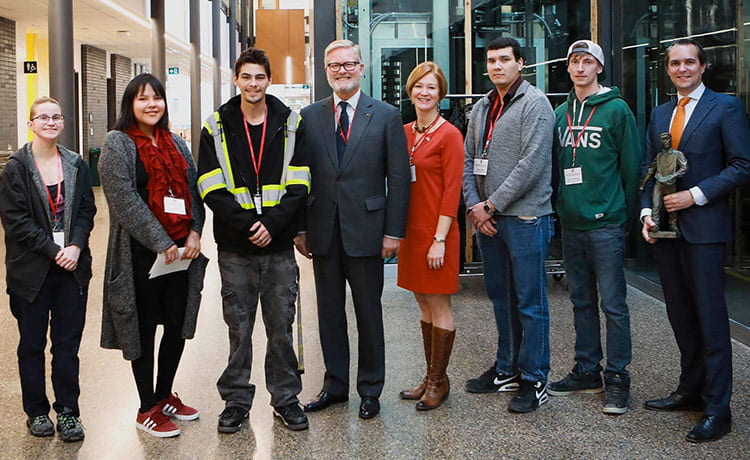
167,169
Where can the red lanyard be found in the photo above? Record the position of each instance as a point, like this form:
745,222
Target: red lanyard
344,136
421,140
492,125
577,140
53,203
256,163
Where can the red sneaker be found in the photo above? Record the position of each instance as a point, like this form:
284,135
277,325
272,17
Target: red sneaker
174,407
156,424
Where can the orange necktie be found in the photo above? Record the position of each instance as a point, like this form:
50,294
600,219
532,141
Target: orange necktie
678,124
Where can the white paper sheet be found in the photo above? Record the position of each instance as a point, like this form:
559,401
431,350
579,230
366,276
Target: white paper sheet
161,268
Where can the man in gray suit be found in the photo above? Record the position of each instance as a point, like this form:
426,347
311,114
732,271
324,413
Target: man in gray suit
356,215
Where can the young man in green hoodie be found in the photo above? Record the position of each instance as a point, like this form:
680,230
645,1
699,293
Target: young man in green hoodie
599,153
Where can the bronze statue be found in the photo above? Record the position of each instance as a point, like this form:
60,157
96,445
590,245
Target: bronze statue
668,165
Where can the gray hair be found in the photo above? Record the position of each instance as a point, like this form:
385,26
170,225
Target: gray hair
342,44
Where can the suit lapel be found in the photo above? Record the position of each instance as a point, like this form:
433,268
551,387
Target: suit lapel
362,117
702,109
328,130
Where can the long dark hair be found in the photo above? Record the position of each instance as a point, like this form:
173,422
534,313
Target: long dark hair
126,119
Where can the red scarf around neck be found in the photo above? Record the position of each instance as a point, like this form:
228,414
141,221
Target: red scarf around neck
167,170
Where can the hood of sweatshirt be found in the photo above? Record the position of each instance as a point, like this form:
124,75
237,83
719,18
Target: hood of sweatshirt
577,107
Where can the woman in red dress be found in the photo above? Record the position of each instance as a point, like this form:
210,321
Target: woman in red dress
428,258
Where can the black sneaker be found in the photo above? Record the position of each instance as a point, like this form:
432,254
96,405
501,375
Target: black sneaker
231,419
531,394
69,426
574,383
40,425
492,382
292,416
617,394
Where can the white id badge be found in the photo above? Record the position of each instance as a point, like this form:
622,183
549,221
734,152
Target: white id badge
413,172
59,238
573,176
258,204
480,166
174,205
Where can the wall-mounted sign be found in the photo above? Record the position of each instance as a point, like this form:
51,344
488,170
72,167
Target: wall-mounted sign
174,71
29,66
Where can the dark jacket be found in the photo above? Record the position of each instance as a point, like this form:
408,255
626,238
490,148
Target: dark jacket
369,191
716,143
30,249
232,222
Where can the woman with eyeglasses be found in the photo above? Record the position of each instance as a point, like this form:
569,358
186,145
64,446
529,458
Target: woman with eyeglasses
149,181
428,259
47,210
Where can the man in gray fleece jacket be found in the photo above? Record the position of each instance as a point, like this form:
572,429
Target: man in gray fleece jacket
507,188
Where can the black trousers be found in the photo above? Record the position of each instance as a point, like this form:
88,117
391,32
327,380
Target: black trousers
692,277
161,300
365,277
61,305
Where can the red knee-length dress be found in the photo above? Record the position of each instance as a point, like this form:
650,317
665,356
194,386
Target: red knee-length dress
439,163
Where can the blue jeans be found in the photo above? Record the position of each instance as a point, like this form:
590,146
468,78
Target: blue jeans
595,258
516,282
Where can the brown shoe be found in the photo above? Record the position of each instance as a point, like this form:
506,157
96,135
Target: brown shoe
418,391
438,385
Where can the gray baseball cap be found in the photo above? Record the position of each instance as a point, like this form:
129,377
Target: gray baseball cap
587,46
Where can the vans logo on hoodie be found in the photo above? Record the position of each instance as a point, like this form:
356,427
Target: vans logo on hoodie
592,137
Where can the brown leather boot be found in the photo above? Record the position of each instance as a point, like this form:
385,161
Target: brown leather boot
418,391
438,385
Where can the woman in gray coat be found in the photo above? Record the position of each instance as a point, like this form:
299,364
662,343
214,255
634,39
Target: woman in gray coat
149,181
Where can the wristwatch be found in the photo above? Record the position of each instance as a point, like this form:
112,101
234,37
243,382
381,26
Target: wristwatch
488,208
439,240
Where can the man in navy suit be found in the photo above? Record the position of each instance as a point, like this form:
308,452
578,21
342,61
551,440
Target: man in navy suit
712,131
356,215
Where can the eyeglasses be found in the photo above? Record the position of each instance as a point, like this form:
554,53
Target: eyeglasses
44,118
336,66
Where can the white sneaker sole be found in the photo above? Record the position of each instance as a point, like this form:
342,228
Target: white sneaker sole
613,410
585,391
182,417
158,434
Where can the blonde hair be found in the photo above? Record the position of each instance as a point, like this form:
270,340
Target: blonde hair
336,44
421,71
40,101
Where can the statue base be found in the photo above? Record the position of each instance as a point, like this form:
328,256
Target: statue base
664,234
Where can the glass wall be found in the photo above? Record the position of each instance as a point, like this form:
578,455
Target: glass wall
402,33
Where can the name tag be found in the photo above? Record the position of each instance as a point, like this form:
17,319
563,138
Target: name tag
413,172
174,205
258,201
573,176
480,166
59,238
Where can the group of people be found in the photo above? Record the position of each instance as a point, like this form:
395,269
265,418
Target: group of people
347,184
588,150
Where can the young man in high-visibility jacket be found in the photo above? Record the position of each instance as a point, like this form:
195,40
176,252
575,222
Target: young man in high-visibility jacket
255,179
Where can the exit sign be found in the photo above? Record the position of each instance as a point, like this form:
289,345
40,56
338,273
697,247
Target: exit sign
174,71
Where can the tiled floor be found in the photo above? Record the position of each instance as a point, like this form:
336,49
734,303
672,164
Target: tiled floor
467,426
